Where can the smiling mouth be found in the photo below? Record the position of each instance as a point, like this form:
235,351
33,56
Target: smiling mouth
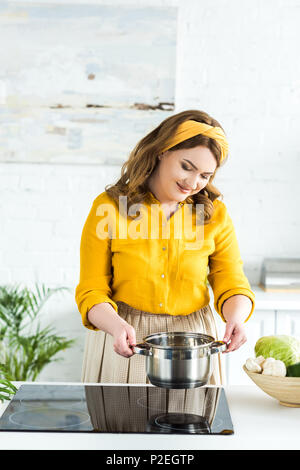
183,189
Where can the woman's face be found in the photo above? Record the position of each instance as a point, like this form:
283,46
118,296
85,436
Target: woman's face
189,169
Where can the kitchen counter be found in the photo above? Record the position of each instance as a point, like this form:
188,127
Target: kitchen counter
284,300
259,423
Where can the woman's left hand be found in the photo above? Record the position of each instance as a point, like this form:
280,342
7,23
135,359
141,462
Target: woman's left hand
235,333
235,310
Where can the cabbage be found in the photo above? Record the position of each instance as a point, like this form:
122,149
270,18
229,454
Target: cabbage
281,347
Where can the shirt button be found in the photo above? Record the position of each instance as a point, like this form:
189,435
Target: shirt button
162,275
164,247
160,304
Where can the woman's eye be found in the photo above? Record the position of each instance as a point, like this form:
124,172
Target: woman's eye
190,169
185,167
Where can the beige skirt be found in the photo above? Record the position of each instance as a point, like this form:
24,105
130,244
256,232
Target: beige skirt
101,364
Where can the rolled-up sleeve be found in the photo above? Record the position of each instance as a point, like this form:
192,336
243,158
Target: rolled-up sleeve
95,268
226,275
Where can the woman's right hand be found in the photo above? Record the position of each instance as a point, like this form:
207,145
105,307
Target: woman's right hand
124,335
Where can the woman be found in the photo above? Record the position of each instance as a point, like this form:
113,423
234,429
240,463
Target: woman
131,286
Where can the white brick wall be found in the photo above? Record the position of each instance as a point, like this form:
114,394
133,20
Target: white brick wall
43,209
235,60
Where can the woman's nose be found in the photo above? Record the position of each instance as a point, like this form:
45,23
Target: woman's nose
192,182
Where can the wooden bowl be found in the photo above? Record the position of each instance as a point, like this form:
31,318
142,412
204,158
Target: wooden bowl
285,389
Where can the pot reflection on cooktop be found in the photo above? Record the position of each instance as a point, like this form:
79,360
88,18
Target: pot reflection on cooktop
118,409
180,422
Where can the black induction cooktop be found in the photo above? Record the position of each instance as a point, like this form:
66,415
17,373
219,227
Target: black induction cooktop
117,409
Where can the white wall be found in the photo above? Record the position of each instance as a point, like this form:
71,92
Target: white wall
238,62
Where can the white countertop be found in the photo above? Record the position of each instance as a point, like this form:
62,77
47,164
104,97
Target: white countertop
275,300
270,300
259,421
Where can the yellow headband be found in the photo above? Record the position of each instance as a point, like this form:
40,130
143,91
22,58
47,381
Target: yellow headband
190,128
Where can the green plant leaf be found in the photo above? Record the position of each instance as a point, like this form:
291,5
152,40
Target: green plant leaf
24,355
7,389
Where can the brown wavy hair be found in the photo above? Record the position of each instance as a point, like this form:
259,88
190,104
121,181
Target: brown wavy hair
143,160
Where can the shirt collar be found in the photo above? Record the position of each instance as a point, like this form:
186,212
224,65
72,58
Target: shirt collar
154,200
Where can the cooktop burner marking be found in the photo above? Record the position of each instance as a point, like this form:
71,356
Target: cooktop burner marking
144,405
64,415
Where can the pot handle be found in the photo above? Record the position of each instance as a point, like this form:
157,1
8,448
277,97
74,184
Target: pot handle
142,348
218,346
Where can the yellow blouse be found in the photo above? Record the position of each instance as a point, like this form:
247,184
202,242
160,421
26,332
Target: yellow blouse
162,272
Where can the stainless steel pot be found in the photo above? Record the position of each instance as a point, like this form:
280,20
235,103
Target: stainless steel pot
179,359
